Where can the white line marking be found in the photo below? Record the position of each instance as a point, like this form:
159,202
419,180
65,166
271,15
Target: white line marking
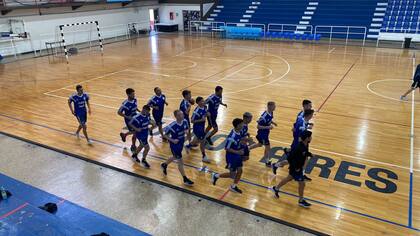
235,72
384,96
151,73
330,51
96,104
194,64
212,58
412,122
268,83
100,95
85,81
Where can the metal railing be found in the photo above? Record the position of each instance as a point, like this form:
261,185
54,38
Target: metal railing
398,36
204,26
345,31
290,28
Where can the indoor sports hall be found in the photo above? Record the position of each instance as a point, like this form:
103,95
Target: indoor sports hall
347,165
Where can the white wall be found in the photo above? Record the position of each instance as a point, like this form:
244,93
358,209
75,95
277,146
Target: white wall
177,9
44,28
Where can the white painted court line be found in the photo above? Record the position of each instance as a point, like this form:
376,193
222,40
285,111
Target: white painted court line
211,58
194,64
235,72
331,50
368,86
146,72
92,103
268,83
100,95
412,121
88,80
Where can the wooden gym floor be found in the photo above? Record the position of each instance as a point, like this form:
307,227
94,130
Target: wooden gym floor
362,133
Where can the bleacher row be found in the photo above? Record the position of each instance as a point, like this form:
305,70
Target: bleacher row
402,17
399,16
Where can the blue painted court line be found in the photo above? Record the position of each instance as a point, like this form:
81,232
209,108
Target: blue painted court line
20,213
243,180
410,202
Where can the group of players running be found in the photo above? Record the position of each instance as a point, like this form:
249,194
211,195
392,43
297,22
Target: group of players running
140,126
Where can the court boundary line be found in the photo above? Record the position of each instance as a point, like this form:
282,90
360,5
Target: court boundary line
190,191
219,72
410,193
384,96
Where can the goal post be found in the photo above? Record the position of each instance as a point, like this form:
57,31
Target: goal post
63,40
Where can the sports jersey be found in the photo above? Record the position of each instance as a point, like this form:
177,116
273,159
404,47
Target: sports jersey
129,108
158,101
79,102
184,106
141,121
214,102
177,131
265,120
233,141
244,131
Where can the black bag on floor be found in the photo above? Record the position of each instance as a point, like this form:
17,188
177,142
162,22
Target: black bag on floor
49,207
7,193
101,234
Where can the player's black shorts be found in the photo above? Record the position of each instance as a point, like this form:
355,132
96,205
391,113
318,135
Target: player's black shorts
297,175
416,84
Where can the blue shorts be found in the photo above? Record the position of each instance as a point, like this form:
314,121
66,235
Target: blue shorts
127,123
212,120
295,143
297,175
263,139
81,118
157,116
234,162
188,120
142,137
199,133
176,150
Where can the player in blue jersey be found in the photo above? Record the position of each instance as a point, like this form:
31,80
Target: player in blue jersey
234,153
140,124
128,110
80,101
198,119
415,85
298,158
175,133
264,125
246,139
306,105
213,102
157,103
300,126
185,107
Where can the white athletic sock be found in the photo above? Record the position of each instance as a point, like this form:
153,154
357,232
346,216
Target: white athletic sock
233,185
217,175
